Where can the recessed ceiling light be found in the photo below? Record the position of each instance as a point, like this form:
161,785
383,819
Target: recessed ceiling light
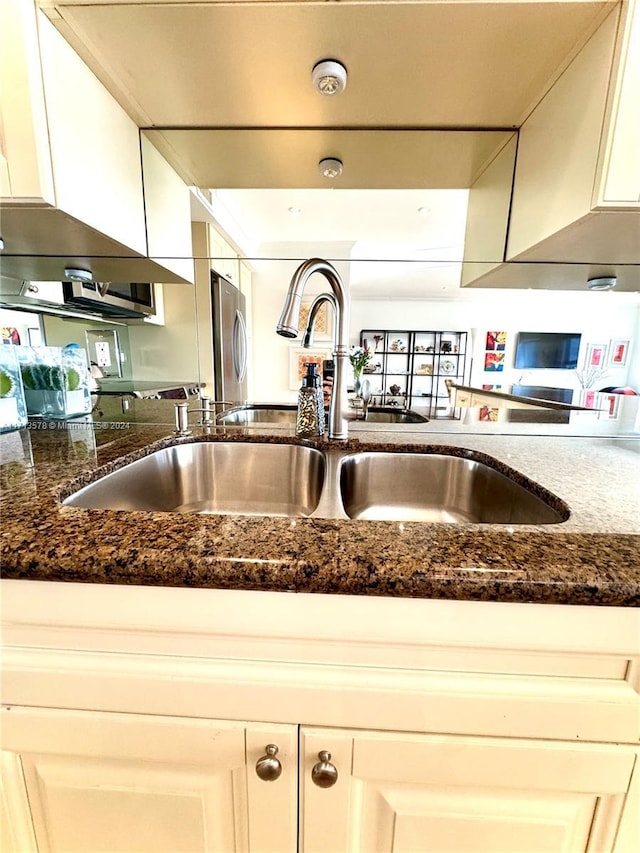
295,211
603,282
329,77
74,274
330,167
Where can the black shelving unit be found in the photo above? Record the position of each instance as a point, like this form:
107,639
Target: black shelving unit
410,368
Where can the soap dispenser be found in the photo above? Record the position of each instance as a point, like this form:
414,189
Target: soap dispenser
310,419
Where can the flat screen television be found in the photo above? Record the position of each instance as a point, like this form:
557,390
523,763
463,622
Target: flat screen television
552,350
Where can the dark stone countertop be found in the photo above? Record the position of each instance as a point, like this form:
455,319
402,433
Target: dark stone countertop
593,558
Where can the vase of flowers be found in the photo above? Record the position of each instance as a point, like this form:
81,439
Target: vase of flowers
359,358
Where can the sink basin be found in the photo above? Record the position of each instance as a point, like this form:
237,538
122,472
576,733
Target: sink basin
384,415
273,479
270,414
265,414
213,477
437,488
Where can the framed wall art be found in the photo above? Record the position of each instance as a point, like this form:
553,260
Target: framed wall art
496,341
596,355
323,326
618,351
298,357
494,361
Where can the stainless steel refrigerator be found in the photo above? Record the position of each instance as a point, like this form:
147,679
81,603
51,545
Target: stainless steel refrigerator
229,340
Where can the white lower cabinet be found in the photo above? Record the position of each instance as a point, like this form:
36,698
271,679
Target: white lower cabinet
134,720
92,782
436,793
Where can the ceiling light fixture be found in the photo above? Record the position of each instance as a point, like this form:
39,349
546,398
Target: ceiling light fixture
603,282
330,167
294,211
424,211
74,274
329,77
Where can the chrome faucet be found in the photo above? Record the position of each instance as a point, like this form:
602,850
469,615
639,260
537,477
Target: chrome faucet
182,412
288,328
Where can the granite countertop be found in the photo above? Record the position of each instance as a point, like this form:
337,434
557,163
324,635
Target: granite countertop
592,558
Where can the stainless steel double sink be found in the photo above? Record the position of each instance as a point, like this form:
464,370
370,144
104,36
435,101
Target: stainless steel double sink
295,480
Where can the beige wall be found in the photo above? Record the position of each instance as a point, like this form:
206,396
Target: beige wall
169,352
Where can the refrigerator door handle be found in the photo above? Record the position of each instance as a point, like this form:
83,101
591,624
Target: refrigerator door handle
240,347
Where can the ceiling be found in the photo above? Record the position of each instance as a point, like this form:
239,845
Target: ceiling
225,90
401,243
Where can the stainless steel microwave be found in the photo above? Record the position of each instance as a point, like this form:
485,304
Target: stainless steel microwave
114,299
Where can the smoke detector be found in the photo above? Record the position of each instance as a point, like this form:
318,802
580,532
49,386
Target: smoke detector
329,77
603,282
330,167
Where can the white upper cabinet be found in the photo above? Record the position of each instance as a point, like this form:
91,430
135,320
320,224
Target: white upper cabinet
71,172
95,152
224,258
69,145
27,173
620,178
576,192
168,213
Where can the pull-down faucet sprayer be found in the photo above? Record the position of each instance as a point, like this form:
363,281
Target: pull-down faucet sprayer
288,328
314,308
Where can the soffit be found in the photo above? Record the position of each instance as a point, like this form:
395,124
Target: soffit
451,65
373,159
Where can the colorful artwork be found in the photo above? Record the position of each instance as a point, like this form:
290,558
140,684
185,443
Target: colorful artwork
618,353
321,328
612,407
494,361
297,360
596,355
10,335
488,414
496,341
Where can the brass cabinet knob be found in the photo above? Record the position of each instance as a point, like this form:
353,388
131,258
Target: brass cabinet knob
324,774
268,767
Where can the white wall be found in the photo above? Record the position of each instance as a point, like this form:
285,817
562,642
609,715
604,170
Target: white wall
599,317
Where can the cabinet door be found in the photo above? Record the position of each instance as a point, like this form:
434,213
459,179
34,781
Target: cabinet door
26,172
622,150
110,783
419,793
95,146
224,259
168,213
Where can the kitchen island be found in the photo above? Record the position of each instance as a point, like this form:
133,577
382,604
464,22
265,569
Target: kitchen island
486,676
